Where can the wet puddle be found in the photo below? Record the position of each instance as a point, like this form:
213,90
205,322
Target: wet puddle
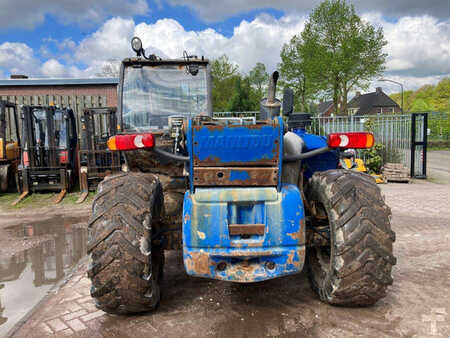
40,254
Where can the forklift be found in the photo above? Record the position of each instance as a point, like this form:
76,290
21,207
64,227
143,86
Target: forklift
96,161
48,156
9,145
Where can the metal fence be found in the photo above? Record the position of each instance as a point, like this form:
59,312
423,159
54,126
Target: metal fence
393,131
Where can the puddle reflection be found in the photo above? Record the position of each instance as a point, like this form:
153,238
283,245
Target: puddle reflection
27,276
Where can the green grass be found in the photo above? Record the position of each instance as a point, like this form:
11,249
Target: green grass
39,200
438,148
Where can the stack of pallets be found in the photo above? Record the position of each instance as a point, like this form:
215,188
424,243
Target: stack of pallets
396,172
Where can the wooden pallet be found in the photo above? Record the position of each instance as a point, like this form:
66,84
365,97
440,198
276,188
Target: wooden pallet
396,172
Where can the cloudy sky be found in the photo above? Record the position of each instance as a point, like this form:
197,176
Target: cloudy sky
68,38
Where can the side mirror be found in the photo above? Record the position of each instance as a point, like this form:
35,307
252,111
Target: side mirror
288,101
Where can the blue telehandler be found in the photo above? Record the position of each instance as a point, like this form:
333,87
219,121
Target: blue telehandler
245,200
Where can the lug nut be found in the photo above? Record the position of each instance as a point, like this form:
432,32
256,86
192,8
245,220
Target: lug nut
221,266
270,265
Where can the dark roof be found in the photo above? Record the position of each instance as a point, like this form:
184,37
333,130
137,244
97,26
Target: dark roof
324,106
59,82
366,102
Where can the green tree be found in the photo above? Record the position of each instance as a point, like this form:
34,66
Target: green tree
408,97
224,74
242,97
340,51
258,77
427,98
442,95
420,105
294,73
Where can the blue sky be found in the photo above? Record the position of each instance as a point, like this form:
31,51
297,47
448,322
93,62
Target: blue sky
76,38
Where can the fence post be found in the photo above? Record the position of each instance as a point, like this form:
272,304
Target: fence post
413,144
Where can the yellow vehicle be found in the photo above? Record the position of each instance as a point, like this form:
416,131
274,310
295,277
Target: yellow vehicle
9,145
349,161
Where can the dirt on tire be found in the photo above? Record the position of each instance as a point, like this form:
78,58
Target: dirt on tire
124,267
355,270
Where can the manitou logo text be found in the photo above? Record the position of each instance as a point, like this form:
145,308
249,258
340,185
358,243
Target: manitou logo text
236,142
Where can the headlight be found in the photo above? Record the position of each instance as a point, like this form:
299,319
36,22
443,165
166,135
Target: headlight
136,44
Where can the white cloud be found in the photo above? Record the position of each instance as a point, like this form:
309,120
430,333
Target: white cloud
29,13
418,47
17,58
211,11
112,40
52,68
257,41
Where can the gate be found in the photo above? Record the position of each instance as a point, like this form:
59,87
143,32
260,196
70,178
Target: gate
419,128
404,136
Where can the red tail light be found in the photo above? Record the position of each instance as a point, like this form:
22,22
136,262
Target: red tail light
356,140
26,160
131,141
63,157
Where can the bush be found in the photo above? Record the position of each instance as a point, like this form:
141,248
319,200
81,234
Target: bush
374,158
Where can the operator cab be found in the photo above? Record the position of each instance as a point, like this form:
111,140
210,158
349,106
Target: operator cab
152,90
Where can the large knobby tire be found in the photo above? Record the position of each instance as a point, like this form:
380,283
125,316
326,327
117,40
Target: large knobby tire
355,269
125,269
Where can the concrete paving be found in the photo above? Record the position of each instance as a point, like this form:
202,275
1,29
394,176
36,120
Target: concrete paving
416,305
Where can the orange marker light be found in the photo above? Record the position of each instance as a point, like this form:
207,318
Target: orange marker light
112,143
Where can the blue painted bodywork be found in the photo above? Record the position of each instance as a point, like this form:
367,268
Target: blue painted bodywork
207,242
208,248
326,161
311,141
236,175
236,146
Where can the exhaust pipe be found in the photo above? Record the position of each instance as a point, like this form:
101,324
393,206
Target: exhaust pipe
273,79
271,106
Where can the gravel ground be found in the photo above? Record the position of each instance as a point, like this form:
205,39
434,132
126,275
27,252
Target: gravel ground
416,305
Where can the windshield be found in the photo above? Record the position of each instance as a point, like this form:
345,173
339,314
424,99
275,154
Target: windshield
60,130
41,129
151,94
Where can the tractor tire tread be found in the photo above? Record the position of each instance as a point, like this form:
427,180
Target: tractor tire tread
122,260
362,254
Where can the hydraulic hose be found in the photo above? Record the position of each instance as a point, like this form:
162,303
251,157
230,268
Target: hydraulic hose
170,155
291,158
302,156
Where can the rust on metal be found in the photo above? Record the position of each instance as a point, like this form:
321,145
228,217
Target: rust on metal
247,253
317,237
212,161
60,196
216,125
21,197
246,229
198,263
84,187
82,197
255,244
317,211
300,234
213,176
